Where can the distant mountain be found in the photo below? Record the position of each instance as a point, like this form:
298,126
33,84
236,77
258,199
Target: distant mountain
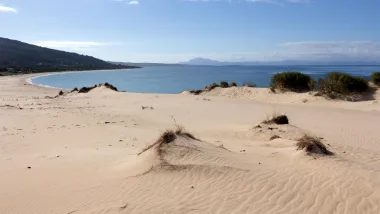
204,61
16,57
201,61
142,64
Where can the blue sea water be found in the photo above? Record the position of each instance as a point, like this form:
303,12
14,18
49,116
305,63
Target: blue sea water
175,79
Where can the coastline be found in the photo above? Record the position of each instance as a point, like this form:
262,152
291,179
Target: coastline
263,95
36,75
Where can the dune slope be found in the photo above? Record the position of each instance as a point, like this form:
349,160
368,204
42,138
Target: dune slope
78,153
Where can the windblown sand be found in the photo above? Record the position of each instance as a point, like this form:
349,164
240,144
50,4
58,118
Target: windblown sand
78,153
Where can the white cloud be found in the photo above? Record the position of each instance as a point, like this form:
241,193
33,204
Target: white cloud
7,9
338,47
276,2
133,2
330,50
70,45
130,2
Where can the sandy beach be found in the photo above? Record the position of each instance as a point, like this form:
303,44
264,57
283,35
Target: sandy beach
77,153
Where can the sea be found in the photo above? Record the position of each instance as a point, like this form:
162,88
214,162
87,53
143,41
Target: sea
178,78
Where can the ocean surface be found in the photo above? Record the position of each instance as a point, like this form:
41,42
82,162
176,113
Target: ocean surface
175,79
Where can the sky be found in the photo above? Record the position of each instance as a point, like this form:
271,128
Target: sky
171,31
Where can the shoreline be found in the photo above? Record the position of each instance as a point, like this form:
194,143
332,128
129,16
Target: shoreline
206,91
263,95
42,74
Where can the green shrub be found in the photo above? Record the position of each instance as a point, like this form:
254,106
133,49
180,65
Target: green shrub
376,78
233,84
342,84
224,84
292,81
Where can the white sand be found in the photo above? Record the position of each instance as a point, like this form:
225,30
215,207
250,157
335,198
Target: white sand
82,152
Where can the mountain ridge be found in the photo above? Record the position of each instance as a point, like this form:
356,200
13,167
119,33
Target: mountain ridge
20,57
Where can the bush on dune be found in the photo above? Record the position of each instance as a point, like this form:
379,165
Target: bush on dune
312,145
211,87
86,89
110,86
376,78
337,83
292,81
233,84
277,119
224,84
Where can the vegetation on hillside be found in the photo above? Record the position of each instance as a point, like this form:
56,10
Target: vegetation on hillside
333,85
292,81
337,83
18,57
376,78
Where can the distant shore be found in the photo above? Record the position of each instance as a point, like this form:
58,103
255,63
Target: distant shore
4,73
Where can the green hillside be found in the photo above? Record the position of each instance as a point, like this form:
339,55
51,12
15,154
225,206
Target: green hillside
19,57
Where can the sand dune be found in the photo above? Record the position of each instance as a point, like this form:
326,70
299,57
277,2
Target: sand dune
369,102
78,153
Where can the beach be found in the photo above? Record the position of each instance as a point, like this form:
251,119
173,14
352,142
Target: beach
78,153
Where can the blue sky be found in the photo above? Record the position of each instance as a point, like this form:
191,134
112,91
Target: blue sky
178,30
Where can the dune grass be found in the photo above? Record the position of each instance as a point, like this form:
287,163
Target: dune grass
168,137
110,86
233,84
276,118
250,85
312,145
88,89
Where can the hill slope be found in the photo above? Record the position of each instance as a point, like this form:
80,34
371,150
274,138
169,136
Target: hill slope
20,56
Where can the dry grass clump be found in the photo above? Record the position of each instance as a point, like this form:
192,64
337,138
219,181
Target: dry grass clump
86,89
274,137
249,85
233,84
180,131
169,136
196,92
277,119
312,145
107,85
